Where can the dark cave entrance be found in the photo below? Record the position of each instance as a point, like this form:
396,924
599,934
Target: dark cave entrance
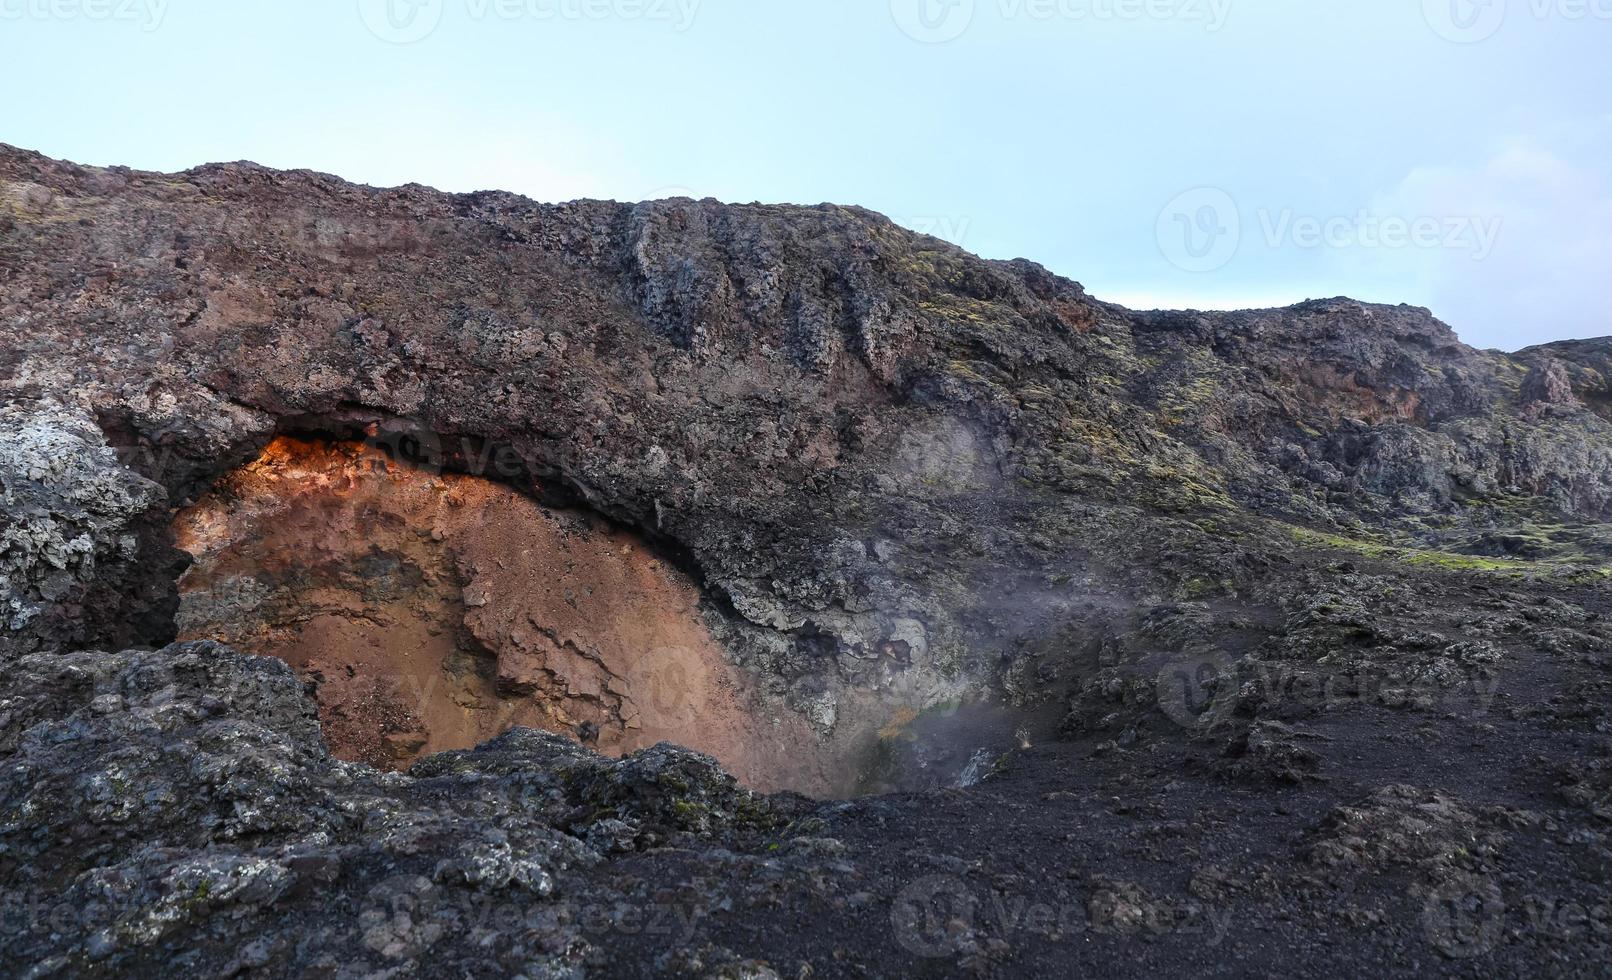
432,610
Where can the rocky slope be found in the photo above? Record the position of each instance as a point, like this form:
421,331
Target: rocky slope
1243,642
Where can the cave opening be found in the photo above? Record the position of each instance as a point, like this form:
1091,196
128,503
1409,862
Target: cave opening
432,610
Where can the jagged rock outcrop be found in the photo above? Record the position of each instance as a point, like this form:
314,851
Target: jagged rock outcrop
152,799
434,611
84,555
1181,593
766,387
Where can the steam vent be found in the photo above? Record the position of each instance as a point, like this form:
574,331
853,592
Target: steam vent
396,583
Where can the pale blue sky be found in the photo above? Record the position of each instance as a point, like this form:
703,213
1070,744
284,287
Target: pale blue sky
1211,153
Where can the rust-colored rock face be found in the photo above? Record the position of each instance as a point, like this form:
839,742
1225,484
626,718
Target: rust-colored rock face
435,611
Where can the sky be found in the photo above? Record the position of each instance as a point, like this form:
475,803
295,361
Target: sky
1211,154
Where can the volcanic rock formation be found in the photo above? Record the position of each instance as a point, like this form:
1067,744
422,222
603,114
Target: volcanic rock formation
436,611
1314,598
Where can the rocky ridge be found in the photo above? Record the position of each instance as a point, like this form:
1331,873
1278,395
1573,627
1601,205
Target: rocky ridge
1316,597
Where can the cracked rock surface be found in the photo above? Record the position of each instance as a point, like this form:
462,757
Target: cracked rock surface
1267,642
435,611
